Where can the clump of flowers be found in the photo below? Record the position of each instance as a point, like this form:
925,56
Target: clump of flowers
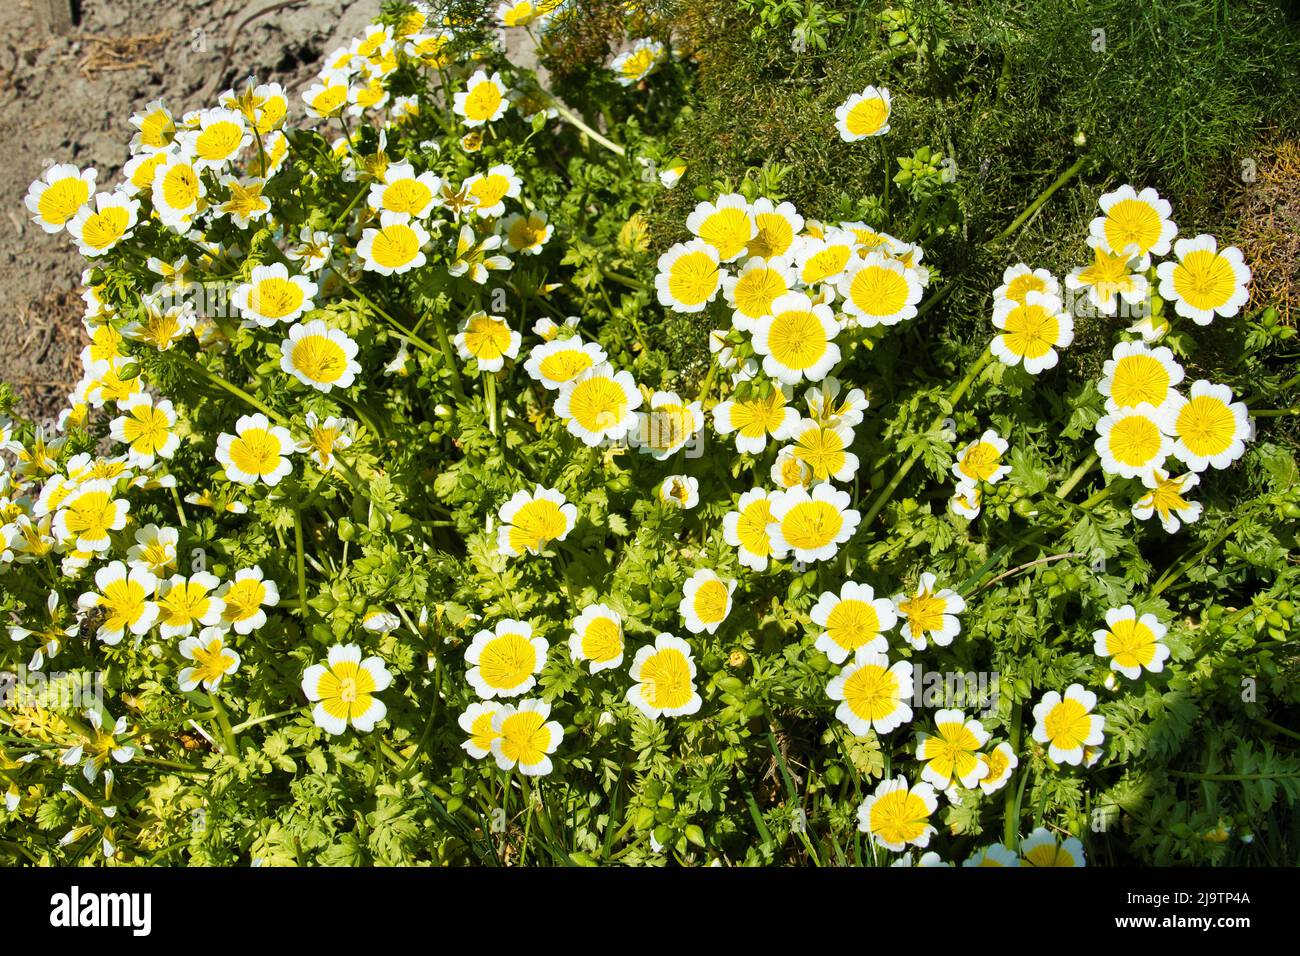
377,488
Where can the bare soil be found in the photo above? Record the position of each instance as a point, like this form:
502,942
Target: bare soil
69,98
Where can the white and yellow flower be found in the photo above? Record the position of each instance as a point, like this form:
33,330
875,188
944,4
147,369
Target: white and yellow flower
156,128
1067,725
967,500
313,251
344,688
532,520
811,526
218,138
777,226
797,341
897,815
1166,497
599,404
1020,279
854,618
213,660
998,762
146,428
752,291
397,246
864,114
688,276
319,356
826,407
634,65
1132,642
952,751
264,106
929,614
505,661
525,739
185,602
1135,218
991,856
402,191
124,597
59,193
527,233
139,172
873,693
1136,374
328,96
981,460
559,361
1042,848
823,257
1131,441
488,339
879,290
154,550
100,227
1031,331
482,101
706,601
245,203
476,721
272,295
521,13
824,449
89,514
669,425
680,491
1210,430
746,528
246,597
597,638
491,190
1205,281
472,256
257,451
325,438
664,675
727,225
178,192
1111,277
756,419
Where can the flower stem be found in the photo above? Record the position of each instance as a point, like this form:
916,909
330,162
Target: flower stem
1077,476
573,119
490,400
1045,195
449,355
302,567
953,398
235,390
227,732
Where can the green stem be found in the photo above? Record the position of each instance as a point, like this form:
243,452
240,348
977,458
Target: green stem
235,390
573,119
1045,195
223,721
449,355
1286,732
302,566
953,398
1182,567
1077,476
1011,800
490,400
254,721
